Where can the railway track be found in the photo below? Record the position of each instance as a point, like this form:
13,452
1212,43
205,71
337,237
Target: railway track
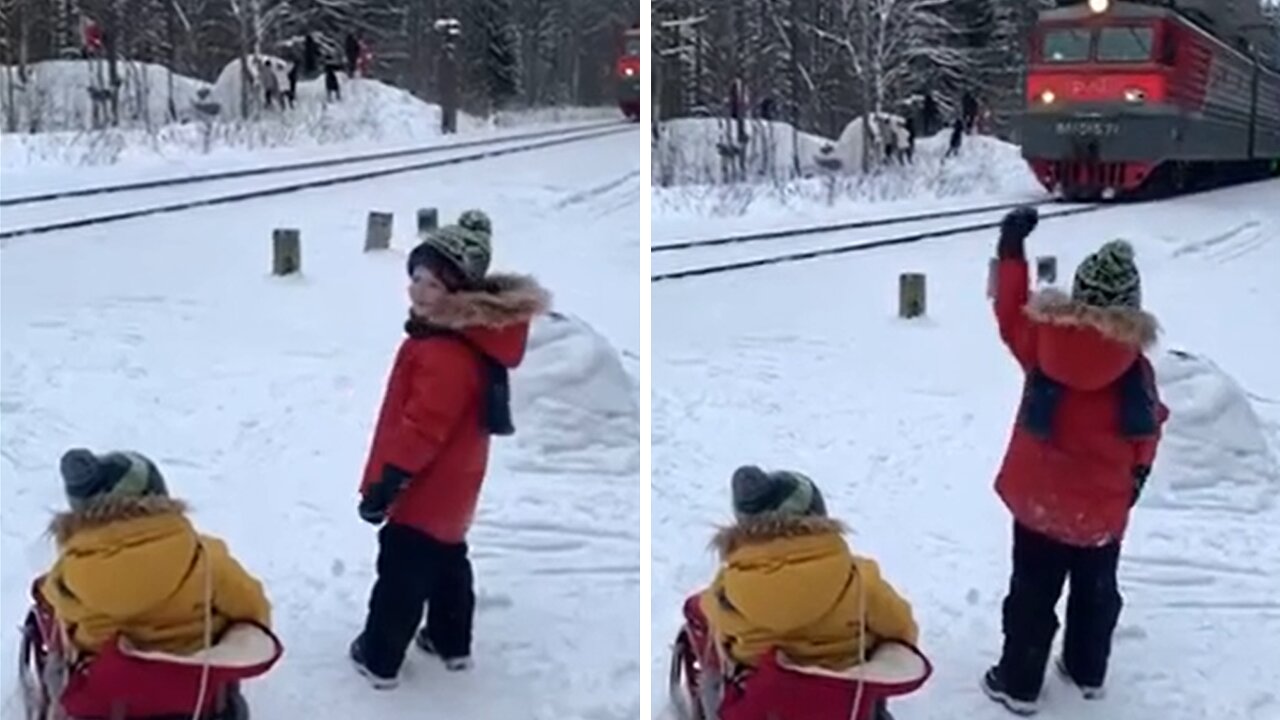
49,205
291,167
842,248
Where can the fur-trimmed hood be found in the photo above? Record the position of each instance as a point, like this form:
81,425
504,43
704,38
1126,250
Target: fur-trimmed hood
109,510
138,566
1130,326
766,528
494,318
503,300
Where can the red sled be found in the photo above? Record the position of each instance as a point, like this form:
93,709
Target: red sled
781,690
125,683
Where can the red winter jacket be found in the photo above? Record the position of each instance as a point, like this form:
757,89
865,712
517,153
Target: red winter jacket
432,421
1075,485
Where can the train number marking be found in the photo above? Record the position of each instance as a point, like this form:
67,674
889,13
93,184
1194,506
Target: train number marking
1088,128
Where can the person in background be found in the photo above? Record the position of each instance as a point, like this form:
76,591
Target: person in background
270,82
910,152
291,95
332,91
310,56
352,48
957,138
969,110
929,113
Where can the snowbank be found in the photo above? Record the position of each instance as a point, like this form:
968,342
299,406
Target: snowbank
1215,453
984,167
575,407
551,115
688,151
369,113
55,95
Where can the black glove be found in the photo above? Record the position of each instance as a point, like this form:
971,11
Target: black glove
1140,473
1014,229
378,498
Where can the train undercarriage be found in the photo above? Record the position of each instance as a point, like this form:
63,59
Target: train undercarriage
1094,180
1099,156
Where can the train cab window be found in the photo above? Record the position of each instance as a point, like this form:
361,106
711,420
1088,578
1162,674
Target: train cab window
1066,45
1126,44
633,45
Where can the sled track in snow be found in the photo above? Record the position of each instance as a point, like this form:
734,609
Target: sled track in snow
843,249
526,142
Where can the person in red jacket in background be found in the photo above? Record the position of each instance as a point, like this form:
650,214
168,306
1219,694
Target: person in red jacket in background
1082,446
447,393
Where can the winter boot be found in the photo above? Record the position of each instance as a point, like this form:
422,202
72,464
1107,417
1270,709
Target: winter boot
377,681
452,664
1090,692
993,685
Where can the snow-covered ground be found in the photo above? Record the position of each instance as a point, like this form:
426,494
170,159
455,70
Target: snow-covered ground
903,424
985,170
256,396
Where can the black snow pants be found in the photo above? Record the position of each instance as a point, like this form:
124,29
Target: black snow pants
415,569
1040,567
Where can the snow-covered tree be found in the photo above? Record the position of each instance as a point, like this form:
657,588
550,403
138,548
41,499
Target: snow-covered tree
490,37
514,52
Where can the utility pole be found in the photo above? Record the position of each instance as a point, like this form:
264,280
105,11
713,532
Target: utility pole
450,31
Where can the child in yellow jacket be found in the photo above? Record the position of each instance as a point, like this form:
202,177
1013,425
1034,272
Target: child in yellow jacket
789,582
130,562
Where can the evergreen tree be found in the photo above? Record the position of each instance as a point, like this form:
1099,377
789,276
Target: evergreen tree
490,43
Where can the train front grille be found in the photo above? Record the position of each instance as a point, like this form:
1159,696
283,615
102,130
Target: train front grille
1089,174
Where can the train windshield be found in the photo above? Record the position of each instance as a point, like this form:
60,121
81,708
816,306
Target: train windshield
1067,45
632,46
1125,44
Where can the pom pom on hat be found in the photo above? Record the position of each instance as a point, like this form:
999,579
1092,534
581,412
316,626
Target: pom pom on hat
87,477
465,247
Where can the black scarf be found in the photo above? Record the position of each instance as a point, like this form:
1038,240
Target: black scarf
496,419
1042,395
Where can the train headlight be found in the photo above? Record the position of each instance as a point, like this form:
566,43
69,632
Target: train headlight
1048,97
1099,6
629,71
1135,95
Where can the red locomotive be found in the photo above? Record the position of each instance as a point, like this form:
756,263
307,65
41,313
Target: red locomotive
628,71
1127,97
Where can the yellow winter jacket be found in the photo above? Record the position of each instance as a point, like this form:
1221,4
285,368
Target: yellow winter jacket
138,568
794,585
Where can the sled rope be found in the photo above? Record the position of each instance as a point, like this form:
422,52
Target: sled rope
862,646
208,634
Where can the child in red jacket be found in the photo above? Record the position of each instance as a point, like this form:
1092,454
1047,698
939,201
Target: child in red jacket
1081,449
447,394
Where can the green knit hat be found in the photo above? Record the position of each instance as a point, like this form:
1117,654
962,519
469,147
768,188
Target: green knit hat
88,478
782,493
465,245
1109,278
